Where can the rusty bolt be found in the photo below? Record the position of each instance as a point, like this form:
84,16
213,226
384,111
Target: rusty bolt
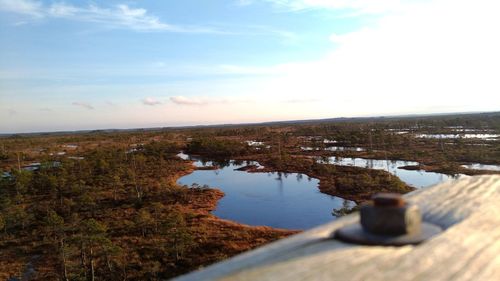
388,220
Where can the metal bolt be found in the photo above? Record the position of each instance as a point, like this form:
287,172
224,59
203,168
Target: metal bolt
388,220
389,214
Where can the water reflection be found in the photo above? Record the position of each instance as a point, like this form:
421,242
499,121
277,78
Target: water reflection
281,200
415,178
479,166
457,136
333,148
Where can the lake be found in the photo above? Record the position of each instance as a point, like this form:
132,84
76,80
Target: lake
291,201
279,200
457,136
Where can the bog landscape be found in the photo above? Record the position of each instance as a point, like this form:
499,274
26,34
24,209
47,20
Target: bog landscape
249,140
148,204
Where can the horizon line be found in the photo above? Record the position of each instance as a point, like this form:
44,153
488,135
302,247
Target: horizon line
331,119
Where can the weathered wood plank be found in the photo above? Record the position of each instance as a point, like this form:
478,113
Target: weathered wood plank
468,249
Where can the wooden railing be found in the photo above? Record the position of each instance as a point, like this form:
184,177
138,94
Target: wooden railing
469,248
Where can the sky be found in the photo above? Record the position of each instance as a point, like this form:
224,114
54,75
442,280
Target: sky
75,65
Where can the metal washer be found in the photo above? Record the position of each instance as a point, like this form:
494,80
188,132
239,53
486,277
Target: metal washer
355,233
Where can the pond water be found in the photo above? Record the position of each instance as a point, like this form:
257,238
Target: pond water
415,178
333,148
345,148
291,201
479,166
456,136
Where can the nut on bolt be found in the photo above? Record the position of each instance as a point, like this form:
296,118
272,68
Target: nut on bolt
390,214
388,220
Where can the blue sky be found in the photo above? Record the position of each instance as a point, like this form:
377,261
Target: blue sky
68,65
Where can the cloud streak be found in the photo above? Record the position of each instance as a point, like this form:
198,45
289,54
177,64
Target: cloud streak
150,101
209,101
83,104
119,16
26,7
181,100
125,17
401,63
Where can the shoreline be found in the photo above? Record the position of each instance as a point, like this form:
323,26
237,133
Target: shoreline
425,164
206,207
325,182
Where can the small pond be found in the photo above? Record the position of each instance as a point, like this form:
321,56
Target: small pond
415,178
291,201
333,148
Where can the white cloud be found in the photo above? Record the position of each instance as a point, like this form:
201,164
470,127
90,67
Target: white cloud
26,7
83,104
62,10
125,17
119,16
150,101
181,100
428,57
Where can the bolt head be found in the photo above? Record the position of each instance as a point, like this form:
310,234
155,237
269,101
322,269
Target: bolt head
390,220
